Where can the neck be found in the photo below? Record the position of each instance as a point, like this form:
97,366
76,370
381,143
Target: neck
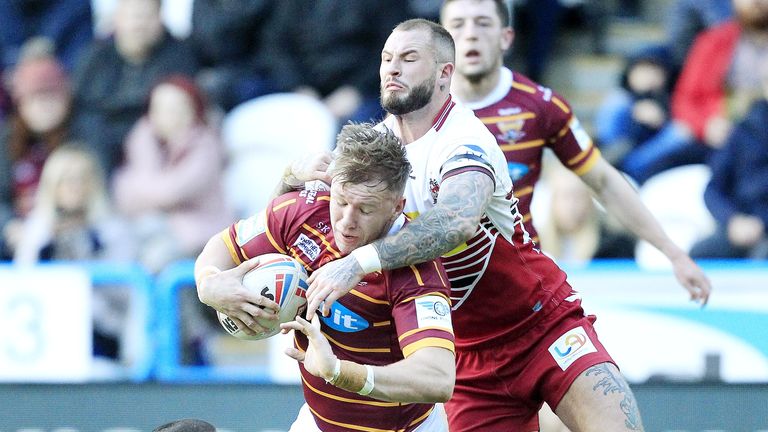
416,124
473,90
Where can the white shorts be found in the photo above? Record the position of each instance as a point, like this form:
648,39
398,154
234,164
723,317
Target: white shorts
436,422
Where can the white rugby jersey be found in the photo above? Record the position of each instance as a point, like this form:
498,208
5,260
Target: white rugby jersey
499,280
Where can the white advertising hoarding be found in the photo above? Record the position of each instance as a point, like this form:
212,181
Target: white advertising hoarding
45,324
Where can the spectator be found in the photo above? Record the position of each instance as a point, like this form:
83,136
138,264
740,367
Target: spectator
322,56
113,79
687,18
170,183
227,38
575,229
737,194
72,221
718,81
39,123
633,125
66,23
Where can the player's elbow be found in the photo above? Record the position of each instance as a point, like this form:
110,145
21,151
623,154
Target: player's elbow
441,387
443,391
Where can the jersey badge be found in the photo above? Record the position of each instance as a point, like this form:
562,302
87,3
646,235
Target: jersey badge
433,311
249,228
308,246
571,346
434,189
510,131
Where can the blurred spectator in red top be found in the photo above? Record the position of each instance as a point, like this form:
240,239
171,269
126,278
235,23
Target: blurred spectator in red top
718,81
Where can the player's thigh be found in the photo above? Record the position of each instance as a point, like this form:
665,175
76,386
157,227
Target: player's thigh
600,400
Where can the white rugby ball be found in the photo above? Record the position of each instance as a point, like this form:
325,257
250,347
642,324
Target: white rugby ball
281,279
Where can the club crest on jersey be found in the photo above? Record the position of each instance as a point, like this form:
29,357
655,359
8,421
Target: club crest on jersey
511,131
434,189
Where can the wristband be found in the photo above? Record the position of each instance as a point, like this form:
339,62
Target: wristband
368,258
336,372
368,387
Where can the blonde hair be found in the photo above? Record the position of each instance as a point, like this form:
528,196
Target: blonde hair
364,155
55,166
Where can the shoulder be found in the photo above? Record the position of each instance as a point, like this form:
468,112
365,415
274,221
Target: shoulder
301,204
545,98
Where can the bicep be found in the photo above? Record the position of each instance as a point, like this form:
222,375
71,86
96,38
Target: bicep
468,193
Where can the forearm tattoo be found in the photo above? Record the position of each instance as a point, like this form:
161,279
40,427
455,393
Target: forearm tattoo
460,206
609,383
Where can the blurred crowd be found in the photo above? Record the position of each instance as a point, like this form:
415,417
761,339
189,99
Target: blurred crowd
123,121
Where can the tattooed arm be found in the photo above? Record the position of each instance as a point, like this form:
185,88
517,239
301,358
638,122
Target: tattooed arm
453,220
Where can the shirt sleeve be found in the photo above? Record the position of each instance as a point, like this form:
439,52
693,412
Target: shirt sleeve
262,233
421,307
464,158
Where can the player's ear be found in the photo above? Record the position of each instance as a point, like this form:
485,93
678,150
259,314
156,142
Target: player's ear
399,207
507,38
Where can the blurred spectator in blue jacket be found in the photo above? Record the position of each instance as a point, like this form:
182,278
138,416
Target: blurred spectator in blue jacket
737,194
227,37
633,125
113,79
66,23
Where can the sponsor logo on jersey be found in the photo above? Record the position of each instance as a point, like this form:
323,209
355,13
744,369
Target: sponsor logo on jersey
571,346
517,170
250,228
433,311
344,320
308,246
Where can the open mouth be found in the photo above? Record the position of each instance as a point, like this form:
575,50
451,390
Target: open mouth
472,55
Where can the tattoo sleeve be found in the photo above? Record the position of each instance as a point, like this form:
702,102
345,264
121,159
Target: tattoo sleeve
461,203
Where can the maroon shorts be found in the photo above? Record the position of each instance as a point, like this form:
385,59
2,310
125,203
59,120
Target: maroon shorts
502,388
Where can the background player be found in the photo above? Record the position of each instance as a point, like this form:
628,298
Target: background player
391,339
526,118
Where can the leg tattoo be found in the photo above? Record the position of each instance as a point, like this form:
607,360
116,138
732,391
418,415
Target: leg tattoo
609,383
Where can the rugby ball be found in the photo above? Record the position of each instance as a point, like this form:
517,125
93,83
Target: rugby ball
281,279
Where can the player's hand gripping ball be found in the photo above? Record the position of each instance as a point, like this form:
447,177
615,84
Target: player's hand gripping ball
281,279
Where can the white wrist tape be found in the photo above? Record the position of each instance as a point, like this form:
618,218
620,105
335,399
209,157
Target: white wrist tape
368,387
336,372
368,258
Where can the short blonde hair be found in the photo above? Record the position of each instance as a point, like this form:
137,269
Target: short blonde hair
366,155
